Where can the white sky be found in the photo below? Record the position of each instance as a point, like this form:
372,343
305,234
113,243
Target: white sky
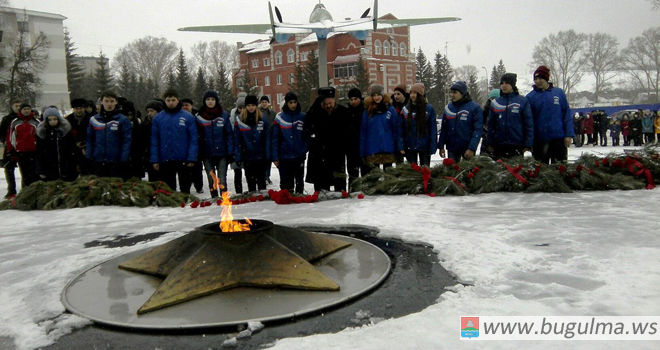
490,30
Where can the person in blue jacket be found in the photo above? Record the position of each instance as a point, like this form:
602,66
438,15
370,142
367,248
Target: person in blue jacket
510,123
216,140
174,143
288,146
380,132
462,124
553,122
419,129
251,138
108,138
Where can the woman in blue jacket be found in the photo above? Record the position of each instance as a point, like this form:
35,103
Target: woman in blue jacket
251,135
288,146
419,127
380,135
216,140
462,124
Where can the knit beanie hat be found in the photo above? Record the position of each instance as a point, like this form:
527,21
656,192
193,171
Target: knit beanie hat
264,98
290,96
51,111
376,89
459,86
210,93
251,100
509,78
354,92
78,102
23,105
542,72
417,88
155,105
401,88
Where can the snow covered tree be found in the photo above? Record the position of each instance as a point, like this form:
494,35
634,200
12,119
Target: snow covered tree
102,78
602,59
441,80
496,74
182,82
200,87
75,73
563,54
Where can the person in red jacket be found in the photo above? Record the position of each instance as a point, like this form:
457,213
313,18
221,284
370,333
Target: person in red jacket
588,128
22,144
625,129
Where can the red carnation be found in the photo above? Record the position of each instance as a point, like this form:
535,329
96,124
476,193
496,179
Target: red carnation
432,194
606,161
591,172
344,194
562,169
579,167
414,166
194,204
475,169
447,162
456,167
253,198
260,197
470,175
219,202
182,204
360,196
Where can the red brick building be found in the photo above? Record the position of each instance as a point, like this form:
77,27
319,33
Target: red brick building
386,53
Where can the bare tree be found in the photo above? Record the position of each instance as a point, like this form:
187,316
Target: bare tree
470,74
151,58
641,60
212,55
562,54
28,56
601,59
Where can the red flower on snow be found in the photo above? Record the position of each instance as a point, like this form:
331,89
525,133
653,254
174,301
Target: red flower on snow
447,162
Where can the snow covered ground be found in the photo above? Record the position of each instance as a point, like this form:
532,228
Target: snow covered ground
583,253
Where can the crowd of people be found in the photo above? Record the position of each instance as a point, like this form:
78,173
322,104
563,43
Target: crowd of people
329,145
636,128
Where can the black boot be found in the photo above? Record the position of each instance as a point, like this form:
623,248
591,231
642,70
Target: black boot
214,193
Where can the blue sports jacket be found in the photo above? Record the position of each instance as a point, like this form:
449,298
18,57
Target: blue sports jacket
216,137
287,138
174,137
462,126
411,141
109,138
251,141
552,116
380,133
510,121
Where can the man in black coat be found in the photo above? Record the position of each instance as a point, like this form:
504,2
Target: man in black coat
353,159
325,127
79,121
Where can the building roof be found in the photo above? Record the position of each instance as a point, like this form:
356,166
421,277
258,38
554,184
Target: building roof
346,59
32,13
256,46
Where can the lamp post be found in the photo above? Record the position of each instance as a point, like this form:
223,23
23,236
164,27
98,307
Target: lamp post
486,72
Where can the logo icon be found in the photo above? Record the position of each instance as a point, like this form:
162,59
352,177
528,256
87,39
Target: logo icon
469,327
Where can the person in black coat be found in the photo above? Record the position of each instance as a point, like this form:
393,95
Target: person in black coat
79,121
325,125
354,164
56,148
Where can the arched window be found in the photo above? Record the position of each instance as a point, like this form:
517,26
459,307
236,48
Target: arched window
278,57
377,47
290,56
395,49
402,49
386,48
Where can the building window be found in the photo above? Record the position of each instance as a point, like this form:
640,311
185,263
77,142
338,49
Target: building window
395,49
291,78
345,70
386,48
402,50
267,81
290,56
255,63
303,55
278,79
256,81
377,47
278,57
266,62
23,26
280,99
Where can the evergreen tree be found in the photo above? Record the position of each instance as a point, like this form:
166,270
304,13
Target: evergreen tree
171,82
474,90
496,74
424,72
142,94
223,87
306,81
362,75
442,77
200,87
102,78
75,73
182,82
127,83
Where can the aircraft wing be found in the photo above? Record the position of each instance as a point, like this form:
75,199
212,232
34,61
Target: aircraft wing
234,28
416,21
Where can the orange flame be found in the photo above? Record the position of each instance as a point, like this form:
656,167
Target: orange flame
227,222
216,181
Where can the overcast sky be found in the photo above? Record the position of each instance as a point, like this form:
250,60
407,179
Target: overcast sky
489,30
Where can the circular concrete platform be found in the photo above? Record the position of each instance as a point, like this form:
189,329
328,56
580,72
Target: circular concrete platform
112,296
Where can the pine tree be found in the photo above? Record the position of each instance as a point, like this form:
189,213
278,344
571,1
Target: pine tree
102,78
496,74
200,87
442,76
171,81
362,75
223,86
75,73
182,82
474,90
424,72
127,83
306,81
